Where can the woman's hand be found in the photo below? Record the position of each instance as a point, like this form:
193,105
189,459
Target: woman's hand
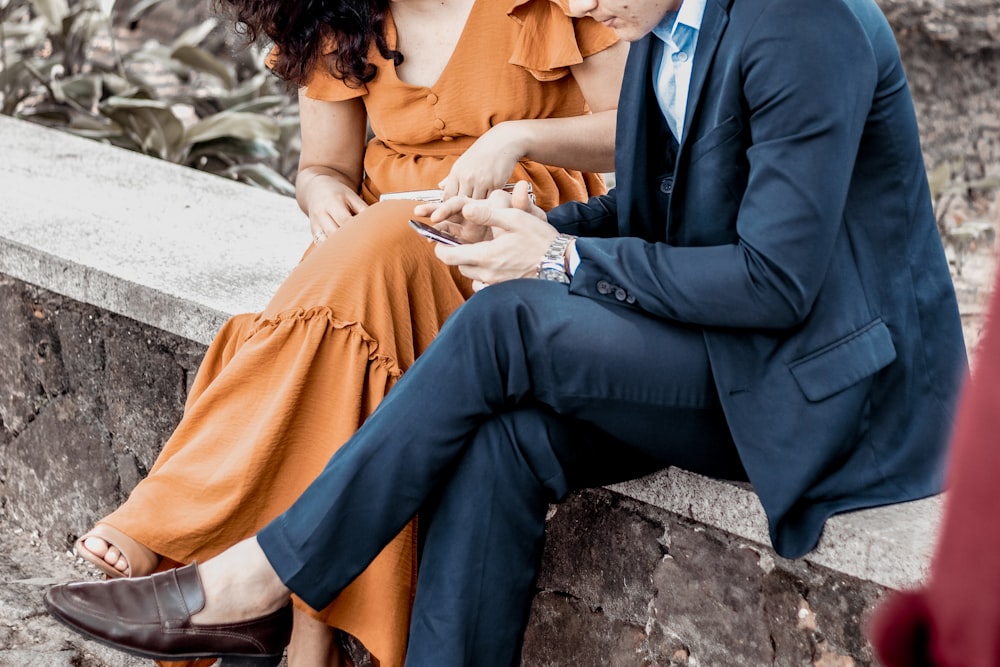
487,164
330,163
328,202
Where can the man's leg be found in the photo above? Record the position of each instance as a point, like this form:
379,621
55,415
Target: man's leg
642,383
482,540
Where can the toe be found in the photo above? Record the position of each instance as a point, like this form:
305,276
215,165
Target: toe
96,546
112,555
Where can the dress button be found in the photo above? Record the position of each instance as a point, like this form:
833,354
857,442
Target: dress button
447,138
432,98
667,185
438,123
620,294
603,287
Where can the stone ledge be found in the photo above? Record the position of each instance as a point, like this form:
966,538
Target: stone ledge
890,546
165,245
207,248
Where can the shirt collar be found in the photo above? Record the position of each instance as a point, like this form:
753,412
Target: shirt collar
690,14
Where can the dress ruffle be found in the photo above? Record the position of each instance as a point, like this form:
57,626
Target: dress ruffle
551,41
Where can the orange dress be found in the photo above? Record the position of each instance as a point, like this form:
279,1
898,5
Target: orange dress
279,391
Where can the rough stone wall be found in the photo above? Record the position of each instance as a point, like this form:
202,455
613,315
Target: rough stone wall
624,583
88,398
951,51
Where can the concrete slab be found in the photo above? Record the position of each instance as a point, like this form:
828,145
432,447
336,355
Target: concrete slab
166,245
891,546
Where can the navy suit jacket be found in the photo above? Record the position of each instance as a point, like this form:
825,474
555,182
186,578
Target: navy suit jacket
793,225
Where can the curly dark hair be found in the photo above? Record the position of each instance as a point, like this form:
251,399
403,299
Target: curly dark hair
302,29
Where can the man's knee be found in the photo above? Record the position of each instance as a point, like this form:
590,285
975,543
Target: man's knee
515,305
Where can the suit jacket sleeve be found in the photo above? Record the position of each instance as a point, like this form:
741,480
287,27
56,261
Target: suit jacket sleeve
596,217
807,75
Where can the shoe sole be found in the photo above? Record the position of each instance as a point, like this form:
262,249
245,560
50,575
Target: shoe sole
229,659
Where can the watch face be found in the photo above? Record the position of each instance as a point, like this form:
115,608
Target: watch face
554,274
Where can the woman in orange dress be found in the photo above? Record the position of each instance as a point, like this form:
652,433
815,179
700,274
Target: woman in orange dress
487,93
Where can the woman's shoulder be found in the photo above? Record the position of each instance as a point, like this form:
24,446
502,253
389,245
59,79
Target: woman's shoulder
321,84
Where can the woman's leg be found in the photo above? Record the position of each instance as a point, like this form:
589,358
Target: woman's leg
315,643
277,395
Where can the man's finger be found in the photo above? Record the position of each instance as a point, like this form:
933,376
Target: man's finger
521,197
468,258
481,214
439,212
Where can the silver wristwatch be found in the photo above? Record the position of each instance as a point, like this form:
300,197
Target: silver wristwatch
553,264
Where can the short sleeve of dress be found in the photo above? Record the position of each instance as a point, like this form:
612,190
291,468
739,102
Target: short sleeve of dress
550,40
322,85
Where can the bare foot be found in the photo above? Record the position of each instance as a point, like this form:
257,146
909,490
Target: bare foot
239,585
314,643
116,553
107,552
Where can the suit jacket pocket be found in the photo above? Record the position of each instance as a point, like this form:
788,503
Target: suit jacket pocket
722,133
840,364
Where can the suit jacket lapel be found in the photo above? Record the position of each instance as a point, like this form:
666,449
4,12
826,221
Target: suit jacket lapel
632,143
713,25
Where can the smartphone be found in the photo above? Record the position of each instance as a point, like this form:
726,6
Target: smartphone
434,234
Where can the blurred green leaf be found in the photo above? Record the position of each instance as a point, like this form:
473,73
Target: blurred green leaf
231,151
50,115
262,175
126,101
247,126
201,60
985,183
84,90
139,9
246,91
32,33
58,71
260,104
938,179
151,124
195,35
54,11
80,32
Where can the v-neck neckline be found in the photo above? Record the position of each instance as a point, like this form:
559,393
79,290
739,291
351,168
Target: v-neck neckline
392,37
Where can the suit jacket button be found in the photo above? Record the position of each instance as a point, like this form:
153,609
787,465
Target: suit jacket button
630,299
603,287
667,185
620,294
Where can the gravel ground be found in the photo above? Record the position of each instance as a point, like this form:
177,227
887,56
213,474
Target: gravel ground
28,636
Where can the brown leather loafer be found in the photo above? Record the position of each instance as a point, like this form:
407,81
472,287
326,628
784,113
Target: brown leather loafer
151,617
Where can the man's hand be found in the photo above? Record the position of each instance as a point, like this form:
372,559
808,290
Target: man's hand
506,235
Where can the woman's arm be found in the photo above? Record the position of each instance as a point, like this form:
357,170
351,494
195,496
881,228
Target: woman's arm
586,142
557,141
331,162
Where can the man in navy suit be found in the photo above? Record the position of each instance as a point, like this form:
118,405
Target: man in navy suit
763,296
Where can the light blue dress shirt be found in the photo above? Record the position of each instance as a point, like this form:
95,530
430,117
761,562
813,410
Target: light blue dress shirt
678,36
